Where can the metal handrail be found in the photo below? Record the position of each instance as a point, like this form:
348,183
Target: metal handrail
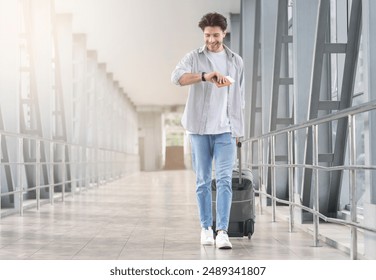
325,218
291,165
107,156
362,108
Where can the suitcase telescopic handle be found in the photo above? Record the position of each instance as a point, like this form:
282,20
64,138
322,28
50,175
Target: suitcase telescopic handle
239,150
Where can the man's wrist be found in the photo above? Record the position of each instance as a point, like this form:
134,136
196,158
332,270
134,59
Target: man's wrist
203,76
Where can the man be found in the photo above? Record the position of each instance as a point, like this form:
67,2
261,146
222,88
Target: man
214,118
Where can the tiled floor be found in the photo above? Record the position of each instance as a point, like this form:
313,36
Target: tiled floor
143,216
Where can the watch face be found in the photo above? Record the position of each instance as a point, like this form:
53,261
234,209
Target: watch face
203,77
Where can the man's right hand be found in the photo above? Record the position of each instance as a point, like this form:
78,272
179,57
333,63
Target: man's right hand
216,77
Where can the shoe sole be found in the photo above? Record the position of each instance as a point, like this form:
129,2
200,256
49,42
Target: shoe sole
225,247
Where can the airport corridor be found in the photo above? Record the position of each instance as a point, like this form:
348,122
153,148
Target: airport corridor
144,216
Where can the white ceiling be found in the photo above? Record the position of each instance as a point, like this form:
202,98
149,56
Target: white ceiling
141,41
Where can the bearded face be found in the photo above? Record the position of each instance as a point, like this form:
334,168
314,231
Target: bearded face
213,36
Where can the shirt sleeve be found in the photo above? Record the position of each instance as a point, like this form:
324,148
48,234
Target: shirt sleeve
184,66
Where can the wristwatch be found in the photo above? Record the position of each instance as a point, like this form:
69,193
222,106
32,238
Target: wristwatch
203,77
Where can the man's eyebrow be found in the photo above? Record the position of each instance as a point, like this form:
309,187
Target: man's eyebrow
217,33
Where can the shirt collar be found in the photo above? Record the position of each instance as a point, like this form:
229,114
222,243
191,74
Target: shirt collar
228,51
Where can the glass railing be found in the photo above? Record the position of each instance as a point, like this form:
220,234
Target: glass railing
34,170
257,159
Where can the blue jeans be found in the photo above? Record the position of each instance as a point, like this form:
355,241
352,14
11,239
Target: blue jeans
221,148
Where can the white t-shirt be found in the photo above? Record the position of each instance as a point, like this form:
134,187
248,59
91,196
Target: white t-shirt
218,121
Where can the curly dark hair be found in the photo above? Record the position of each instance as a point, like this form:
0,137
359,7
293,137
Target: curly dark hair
213,19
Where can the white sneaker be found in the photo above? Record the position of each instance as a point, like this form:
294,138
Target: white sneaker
207,236
221,241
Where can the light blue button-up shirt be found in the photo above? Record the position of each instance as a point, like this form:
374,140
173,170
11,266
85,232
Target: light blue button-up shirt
197,108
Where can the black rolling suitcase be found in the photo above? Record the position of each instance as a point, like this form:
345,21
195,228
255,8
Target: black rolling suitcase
242,215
